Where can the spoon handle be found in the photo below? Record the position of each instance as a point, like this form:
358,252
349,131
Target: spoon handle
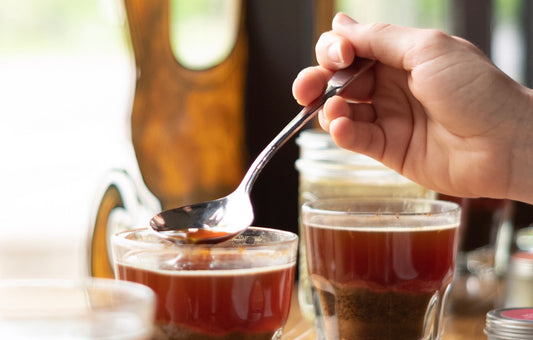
337,83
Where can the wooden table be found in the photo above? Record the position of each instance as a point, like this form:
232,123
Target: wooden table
467,324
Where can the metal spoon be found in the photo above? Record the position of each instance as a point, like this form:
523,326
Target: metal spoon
221,219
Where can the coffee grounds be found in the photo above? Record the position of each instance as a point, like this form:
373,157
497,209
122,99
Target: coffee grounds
173,332
362,314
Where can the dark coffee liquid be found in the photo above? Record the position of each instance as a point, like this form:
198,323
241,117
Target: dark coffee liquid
217,304
377,284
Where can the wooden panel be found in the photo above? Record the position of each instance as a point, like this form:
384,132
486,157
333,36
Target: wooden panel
187,126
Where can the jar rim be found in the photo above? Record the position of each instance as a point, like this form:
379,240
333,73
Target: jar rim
348,172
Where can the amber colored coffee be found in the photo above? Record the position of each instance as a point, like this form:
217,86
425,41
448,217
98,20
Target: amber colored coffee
196,302
378,283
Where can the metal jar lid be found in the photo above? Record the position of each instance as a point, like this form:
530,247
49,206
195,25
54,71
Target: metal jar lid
510,324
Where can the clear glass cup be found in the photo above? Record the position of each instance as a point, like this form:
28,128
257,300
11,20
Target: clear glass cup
237,289
88,309
380,268
328,171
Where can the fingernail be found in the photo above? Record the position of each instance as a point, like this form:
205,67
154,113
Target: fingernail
324,124
343,20
334,53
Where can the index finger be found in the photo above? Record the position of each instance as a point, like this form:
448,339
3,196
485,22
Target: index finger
396,46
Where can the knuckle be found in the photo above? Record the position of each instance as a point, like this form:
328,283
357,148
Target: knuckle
435,38
429,44
379,26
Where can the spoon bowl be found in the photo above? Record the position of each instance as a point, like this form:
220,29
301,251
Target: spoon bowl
221,219
206,222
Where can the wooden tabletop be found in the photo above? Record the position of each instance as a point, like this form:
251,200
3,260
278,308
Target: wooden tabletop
464,317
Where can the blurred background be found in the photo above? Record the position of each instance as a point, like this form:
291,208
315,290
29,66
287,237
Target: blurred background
93,114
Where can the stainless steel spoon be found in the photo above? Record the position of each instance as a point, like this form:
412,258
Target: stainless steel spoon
218,220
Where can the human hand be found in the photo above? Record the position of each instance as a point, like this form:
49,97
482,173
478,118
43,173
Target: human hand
433,108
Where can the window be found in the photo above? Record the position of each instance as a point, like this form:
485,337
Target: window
66,80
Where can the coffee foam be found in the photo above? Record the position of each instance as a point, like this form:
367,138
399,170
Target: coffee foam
155,267
382,229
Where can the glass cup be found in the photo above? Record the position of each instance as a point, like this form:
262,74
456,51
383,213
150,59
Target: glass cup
237,289
380,268
75,310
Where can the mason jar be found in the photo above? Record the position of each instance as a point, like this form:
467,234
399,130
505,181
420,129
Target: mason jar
328,171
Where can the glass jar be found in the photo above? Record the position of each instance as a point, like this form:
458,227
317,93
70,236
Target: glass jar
328,171
509,324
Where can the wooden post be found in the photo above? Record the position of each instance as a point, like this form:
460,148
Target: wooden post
281,43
